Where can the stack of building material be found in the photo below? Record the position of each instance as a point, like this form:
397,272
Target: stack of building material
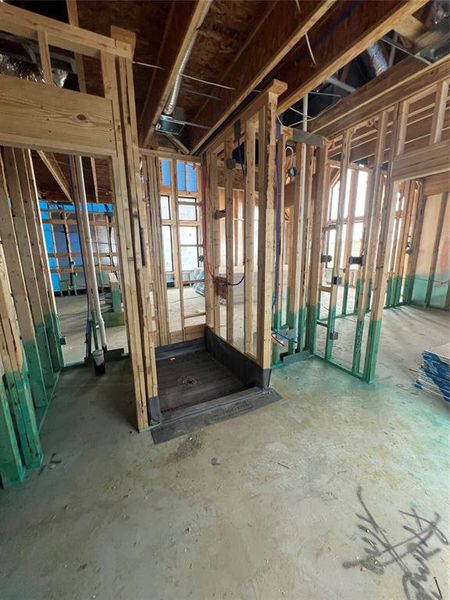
434,376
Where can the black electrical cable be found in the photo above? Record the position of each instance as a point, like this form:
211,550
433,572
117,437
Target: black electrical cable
239,282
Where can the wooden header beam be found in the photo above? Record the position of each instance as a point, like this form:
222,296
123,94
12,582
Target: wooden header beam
27,24
436,184
166,154
45,117
421,163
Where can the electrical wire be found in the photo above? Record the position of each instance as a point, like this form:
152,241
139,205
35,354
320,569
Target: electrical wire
241,162
205,234
277,230
306,36
281,335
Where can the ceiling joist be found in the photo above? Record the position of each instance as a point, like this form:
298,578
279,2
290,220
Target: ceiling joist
340,39
280,30
181,26
401,81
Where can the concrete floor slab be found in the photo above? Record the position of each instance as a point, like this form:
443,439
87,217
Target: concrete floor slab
274,504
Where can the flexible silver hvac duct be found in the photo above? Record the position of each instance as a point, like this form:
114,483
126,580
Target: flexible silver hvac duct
377,59
26,70
172,101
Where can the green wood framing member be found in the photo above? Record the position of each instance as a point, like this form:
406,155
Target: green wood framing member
335,276
370,242
30,273
11,467
16,381
385,241
39,377
321,189
40,258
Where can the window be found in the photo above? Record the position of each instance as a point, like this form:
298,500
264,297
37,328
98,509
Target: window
334,200
189,258
361,194
165,207
167,247
165,172
188,236
186,177
187,213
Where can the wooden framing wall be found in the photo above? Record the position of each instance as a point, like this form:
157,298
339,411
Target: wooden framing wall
61,220
293,249
391,225
429,273
173,325
255,125
50,119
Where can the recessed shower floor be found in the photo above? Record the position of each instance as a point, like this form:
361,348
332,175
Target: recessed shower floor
191,378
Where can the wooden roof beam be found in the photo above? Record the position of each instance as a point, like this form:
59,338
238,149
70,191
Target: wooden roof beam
281,28
403,80
340,39
184,18
410,28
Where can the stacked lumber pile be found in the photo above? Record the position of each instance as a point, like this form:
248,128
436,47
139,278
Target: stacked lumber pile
434,375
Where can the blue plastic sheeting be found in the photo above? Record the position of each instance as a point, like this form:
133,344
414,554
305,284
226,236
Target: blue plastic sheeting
49,245
46,209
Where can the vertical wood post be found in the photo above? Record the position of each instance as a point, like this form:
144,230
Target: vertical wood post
370,239
229,242
321,190
88,256
349,236
16,375
400,118
279,243
437,241
151,176
415,244
12,470
21,301
40,258
133,243
176,242
249,234
297,249
266,237
208,240
49,360
335,276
